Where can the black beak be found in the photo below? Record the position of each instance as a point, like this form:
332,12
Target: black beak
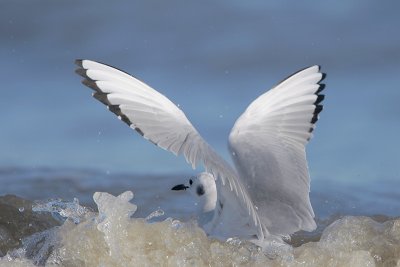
180,187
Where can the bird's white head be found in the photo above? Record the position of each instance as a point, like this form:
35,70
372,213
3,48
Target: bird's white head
203,188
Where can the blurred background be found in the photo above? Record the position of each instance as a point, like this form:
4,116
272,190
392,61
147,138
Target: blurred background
212,58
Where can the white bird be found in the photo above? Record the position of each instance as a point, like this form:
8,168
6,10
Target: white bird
268,193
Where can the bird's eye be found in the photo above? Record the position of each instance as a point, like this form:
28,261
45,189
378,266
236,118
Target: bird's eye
200,190
190,182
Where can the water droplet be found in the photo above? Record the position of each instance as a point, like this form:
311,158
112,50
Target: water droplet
159,212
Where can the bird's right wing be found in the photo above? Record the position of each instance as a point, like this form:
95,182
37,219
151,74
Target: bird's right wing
160,121
268,147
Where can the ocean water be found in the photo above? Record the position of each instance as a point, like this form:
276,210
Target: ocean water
58,146
58,219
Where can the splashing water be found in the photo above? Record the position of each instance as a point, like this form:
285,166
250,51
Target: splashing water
112,237
155,214
70,210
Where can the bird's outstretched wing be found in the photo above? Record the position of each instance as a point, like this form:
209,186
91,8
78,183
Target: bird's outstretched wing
160,121
268,147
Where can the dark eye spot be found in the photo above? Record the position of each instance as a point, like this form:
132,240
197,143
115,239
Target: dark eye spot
190,182
200,190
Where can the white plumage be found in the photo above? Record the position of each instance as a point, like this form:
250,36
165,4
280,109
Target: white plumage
268,193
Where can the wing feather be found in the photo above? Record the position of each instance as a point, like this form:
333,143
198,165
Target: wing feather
160,121
268,147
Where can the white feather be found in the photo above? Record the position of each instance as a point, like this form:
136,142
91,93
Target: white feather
268,143
164,124
270,193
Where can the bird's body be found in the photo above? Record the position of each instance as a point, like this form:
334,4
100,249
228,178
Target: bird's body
268,191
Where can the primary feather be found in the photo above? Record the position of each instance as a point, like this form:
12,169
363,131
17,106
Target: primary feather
269,193
157,119
268,147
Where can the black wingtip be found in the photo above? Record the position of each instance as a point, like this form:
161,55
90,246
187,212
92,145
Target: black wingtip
125,119
323,77
81,72
140,131
319,99
115,109
79,62
318,109
314,119
102,97
321,88
91,84
317,103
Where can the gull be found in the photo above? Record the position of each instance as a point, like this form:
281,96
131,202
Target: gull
267,193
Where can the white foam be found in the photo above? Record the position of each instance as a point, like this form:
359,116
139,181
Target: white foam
112,238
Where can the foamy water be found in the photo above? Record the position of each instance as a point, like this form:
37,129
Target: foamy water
111,237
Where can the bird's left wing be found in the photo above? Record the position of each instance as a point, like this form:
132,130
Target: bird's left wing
160,121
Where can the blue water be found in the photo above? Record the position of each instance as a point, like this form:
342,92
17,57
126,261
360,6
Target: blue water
213,59
330,198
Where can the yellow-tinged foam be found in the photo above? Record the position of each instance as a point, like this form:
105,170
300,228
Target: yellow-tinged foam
118,240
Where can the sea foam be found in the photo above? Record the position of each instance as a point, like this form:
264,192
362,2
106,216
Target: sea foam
111,237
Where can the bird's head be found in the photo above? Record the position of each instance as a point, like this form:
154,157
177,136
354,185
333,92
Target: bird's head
203,188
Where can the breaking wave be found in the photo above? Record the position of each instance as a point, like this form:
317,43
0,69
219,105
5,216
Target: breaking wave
59,233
